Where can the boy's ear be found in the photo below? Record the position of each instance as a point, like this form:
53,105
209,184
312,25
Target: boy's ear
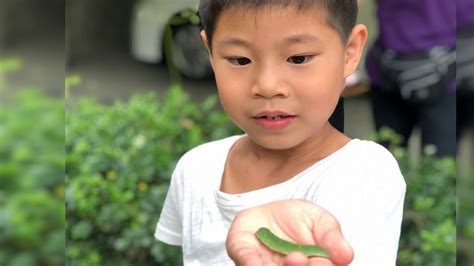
354,48
204,39
206,44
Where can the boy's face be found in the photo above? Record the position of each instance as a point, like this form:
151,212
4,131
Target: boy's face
280,72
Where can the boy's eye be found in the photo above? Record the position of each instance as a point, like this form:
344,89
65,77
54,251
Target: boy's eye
300,59
239,61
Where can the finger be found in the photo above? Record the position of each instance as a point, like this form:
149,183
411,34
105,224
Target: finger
243,255
339,250
328,235
241,248
320,262
248,259
300,259
296,259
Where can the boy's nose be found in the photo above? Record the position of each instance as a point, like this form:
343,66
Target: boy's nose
269,84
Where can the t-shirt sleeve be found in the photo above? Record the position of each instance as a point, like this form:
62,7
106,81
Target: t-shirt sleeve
378,225
368,203
169,226
381,234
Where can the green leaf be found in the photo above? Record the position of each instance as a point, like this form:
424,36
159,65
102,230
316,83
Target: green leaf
81,230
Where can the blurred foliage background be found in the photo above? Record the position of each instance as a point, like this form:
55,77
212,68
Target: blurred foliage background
465,220
32,214
118,170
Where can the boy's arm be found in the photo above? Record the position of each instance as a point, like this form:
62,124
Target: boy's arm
299,221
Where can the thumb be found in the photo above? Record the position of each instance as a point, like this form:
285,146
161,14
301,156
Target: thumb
327,233
340,252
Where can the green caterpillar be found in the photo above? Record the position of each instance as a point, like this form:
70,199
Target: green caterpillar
285,247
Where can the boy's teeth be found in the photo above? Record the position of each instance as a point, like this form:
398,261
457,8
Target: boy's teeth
278,117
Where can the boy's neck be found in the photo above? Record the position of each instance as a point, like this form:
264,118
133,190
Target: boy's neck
250,166
329,141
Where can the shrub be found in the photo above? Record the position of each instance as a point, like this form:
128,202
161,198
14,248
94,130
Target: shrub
118,165
465,221
31,180
428,234
429,224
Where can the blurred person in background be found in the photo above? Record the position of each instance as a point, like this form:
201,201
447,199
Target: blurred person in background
465,65
411,67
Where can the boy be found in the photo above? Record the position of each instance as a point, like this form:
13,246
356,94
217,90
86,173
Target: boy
280,68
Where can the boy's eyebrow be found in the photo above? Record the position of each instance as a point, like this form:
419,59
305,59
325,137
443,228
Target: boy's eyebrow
293,39
233,42
301,38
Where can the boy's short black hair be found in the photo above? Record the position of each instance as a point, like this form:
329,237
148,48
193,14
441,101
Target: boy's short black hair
341,14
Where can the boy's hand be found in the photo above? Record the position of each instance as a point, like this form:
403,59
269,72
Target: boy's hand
299,221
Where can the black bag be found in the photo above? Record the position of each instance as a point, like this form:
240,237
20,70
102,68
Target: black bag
465,61
420,77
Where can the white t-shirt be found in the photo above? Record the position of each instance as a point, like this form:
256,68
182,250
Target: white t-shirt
360,184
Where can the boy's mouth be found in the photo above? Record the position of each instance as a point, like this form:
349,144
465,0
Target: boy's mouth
273,115
278,117
274,120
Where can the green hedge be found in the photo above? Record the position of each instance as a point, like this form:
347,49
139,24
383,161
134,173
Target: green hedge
429,220
118,165
31,179
465,221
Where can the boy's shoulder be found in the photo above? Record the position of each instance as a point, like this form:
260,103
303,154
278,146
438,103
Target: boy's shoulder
367,157
371,160
377,153
367,149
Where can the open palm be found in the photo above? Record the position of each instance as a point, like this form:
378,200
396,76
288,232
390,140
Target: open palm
298,221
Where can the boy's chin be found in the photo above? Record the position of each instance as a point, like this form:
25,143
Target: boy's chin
276,142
